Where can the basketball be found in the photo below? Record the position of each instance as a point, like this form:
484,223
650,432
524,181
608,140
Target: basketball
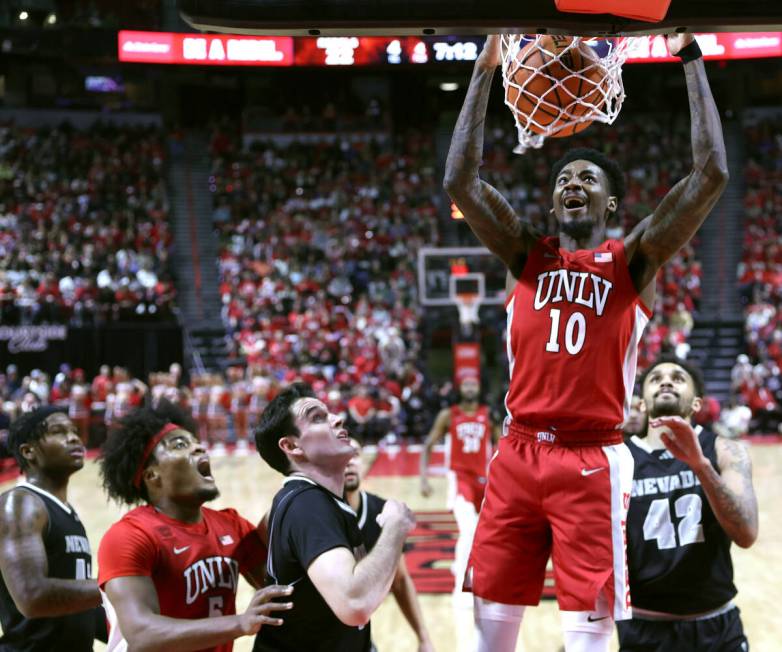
555,83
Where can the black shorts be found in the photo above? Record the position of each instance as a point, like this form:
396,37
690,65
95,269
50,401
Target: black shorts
723,633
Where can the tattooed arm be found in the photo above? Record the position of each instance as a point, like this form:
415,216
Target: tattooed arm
688,203
730,492
488,213
23,520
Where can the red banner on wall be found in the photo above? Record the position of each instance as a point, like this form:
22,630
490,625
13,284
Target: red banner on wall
205,49
466,361
728,45
239,50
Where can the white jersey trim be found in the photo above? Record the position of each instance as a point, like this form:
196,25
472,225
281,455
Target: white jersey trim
363,518
67,508
621,464
631,359
509,309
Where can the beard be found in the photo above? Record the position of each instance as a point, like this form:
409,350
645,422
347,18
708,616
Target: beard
208,493
668,409
351,483
579,229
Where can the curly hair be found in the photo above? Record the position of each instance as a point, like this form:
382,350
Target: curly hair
611,168
123,448
277,421
29,428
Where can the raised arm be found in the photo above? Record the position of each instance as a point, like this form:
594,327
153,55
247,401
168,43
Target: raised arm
135,601
731,494
23,520
439,428
685,207
354,590
488,213
729,490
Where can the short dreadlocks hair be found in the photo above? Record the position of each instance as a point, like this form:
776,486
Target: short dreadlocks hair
611,168
124,447
694,372
29,428
276,422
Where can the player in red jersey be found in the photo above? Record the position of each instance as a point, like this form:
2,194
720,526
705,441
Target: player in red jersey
576,307
169,569
468,450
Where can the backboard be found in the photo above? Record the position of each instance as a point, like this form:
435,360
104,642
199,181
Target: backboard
446,272
398,17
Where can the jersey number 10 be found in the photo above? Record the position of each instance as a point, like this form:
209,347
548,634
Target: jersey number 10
658,524
575,332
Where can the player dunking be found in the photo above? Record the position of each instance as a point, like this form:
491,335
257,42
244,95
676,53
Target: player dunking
468,450
169,569
576,308
692,496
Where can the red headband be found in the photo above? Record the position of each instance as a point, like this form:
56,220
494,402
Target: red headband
148,451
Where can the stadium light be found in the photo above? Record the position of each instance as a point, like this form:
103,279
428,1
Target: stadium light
449,87
51,19
23,15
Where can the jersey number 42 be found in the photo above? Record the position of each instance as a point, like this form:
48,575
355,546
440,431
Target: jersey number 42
658,524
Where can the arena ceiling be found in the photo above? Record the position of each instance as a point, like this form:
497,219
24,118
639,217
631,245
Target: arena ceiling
362,17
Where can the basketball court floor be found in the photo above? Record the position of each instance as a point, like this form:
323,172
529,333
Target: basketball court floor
248,485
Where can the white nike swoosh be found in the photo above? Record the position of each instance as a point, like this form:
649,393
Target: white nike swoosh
591,471
179,551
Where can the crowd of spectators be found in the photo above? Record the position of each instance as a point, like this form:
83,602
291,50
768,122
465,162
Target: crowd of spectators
654,154
84,234
318,245
224,406
756,378
336,111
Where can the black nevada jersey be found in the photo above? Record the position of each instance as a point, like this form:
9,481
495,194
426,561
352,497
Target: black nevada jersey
68,556
677,552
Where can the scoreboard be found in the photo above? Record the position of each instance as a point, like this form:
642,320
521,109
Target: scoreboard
242,50
236,50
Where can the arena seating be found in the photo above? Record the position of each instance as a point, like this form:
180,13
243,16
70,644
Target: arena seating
83,225
756,376
317,265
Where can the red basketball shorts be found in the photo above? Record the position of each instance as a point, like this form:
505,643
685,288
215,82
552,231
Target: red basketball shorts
544,498
467,485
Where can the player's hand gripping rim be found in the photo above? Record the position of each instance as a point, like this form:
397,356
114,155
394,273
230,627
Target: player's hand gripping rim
257,613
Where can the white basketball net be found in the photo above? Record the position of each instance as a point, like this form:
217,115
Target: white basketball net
599,82
468,305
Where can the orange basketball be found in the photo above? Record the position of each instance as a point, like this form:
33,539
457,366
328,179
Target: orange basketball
552,84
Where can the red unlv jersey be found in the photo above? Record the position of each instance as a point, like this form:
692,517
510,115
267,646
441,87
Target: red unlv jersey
468,448
194,567
574,321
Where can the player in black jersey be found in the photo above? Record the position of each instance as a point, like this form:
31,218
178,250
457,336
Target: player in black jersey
48,599
692,497
314,540
368,507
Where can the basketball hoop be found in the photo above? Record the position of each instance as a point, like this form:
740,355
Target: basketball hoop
550,95
468,305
